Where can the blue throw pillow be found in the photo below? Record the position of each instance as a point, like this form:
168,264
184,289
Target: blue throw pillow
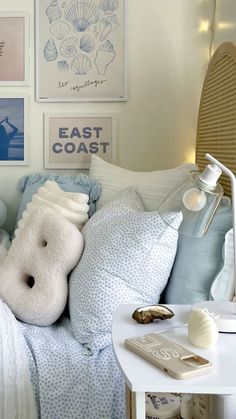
197,262
127,258
28,186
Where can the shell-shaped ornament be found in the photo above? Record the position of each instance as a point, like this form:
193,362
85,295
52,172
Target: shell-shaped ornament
202,329
108,6
60,29
87,43
81,14
53,11
68,47
81,65
50,50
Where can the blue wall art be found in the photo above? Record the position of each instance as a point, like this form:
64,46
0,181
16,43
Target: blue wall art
13,131
71,139
81,50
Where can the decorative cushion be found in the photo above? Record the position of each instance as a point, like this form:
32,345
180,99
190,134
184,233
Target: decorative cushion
222,287
72,205
127,258
28,186
152,187
197,262
33,275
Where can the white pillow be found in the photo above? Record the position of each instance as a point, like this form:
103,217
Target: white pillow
127,258
152,187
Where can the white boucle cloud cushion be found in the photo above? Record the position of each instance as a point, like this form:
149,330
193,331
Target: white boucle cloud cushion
73,206
33,275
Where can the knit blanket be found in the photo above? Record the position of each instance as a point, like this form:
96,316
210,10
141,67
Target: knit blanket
16,393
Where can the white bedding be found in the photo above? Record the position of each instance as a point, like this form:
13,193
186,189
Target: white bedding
16,393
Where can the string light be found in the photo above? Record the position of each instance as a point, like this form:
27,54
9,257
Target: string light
204,26
212,28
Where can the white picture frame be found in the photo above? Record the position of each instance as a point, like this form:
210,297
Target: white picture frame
14,133
75,62
71,138
14,49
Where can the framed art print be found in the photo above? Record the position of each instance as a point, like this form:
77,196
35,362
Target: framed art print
80,50
14,48
13,130
70,139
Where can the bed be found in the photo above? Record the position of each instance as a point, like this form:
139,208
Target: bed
69,369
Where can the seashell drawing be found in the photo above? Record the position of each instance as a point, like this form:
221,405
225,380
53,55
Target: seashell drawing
87,43
104,56
68,47
50,50
108,6
81,64
60,29
81,14
95,31
53,11
106,26
63,66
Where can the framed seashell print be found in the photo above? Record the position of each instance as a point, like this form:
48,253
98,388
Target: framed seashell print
14,47
81,50
71,139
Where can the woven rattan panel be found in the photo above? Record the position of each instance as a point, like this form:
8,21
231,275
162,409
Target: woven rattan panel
216,131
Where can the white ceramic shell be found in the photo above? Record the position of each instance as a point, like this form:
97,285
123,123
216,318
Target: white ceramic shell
202,329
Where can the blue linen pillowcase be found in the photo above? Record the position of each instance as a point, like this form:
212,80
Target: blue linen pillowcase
223,285
127,258
198,261
28,186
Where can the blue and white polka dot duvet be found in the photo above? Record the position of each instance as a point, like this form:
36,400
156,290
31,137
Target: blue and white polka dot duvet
68,383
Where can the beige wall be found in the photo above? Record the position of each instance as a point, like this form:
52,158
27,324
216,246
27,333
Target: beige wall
167,58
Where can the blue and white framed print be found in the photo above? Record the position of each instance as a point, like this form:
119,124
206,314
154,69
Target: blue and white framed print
80,50
13,130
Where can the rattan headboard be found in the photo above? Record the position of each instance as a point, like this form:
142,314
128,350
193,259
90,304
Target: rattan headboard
216,129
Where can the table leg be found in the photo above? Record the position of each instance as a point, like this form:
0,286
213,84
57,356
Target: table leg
223,406
128,396
138,405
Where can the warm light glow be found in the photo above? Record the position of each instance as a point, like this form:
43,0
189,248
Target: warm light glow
194,199
204,26
225,25
190,155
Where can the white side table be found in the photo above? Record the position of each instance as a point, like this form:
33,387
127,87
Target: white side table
141,376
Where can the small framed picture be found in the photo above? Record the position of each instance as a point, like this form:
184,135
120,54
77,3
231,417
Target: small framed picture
70,139
81,50
13,130
14,48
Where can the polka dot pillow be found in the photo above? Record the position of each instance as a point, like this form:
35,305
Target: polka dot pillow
127,258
